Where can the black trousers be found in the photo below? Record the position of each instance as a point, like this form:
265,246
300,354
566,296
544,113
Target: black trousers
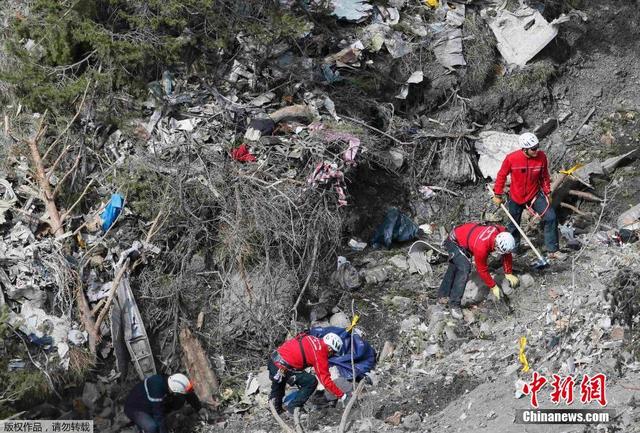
455,279
306,383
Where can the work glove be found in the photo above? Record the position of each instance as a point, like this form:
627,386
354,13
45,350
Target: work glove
513,280
496,292
345,398
497,199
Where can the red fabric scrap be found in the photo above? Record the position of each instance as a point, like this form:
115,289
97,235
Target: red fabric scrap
242,154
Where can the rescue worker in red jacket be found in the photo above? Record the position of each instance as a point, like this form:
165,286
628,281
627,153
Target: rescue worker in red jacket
530,188
478,241
287,364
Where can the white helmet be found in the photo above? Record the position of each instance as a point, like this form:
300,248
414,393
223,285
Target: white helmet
179,383
333,341
528,140
505,243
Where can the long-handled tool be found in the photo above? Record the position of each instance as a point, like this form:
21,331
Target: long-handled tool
541,263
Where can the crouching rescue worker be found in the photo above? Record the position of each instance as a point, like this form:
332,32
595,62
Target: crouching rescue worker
530,189
287,363
151,400
478,241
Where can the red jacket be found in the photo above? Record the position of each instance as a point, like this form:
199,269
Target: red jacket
479,240
316,353
528,176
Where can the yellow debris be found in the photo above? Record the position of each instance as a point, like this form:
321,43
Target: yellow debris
522,357
570,171
354,322
432,3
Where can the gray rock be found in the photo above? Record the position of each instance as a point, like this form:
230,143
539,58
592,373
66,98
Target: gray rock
504,284
375,275
511,369
468,315
411,422
450,332
340,319
605,323
320,324
90,395
485,328
396,158
585,130
387,351
564,115
431,350
400,262
546,127
491,415
318,312
526,281
437,321
397,3
347,276
409,323
401,302
475,290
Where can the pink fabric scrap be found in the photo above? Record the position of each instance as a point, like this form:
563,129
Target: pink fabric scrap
325,173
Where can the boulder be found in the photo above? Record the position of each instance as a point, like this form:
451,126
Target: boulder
401,302
526,281
400,262
375,275
475,290
340,320
411,422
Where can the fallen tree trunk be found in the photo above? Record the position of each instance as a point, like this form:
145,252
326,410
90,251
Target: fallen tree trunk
199,368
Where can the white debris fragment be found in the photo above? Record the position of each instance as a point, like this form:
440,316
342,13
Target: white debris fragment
493,147
521,34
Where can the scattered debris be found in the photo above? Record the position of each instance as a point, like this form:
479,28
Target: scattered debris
352,10
242,154
493,147
521,34
112,211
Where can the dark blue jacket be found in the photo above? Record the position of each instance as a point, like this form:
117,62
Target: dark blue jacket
152,396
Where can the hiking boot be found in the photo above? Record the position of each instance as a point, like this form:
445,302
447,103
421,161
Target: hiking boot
557,255
456,312
443,300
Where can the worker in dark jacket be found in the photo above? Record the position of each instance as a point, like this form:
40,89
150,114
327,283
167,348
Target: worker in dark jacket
151,400
530,189
477,241
287,364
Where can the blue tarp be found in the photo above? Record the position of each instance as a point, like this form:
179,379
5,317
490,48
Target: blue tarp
364,355
395,227
112,211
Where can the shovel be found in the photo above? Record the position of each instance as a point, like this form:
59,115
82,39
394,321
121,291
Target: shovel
541,263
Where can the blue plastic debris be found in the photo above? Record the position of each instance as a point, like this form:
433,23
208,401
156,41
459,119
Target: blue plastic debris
364,356
111,212
396,227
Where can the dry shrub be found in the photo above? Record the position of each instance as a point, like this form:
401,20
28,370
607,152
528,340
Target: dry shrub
258,303
480,55
81,362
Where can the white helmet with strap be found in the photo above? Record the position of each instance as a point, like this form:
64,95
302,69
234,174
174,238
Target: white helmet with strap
333,341
505,243
179,383
528,140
